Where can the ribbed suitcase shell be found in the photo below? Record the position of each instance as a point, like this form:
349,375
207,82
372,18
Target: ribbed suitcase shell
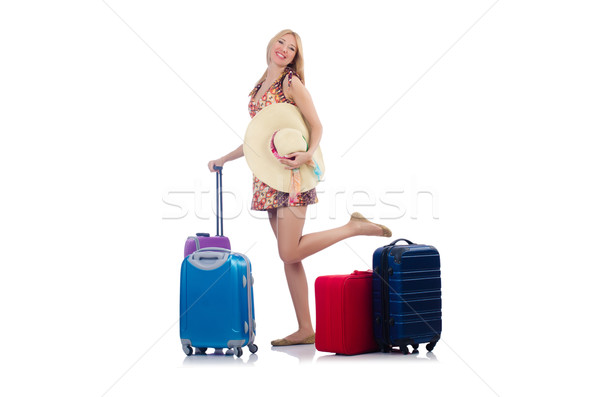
344,313
407,297
216,301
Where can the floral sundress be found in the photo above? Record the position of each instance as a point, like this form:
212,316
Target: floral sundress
264,197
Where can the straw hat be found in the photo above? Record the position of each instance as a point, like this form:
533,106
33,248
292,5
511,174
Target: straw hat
280,127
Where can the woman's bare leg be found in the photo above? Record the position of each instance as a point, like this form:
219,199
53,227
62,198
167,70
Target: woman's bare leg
298,286
293,247
295,275
287,224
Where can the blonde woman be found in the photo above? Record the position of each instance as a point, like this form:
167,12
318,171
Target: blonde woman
283,82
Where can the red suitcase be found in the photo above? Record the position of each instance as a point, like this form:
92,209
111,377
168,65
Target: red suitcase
345,313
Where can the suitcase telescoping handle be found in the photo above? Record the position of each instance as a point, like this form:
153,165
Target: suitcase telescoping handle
219,199
402,239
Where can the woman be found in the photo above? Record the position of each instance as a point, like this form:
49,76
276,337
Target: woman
283,81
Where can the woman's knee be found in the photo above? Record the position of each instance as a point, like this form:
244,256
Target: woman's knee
288,256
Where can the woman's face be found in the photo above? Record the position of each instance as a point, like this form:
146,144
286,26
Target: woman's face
284,50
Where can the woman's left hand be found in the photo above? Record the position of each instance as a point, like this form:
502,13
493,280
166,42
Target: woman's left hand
299,158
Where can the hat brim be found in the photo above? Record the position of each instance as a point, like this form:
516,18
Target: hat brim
257,150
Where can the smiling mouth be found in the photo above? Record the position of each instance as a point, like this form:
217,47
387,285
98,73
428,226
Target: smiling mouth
280,55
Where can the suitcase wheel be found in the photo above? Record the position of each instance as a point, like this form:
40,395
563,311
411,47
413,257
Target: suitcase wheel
187,349
404,349
433,342
253,348
201,350
415,348
238,351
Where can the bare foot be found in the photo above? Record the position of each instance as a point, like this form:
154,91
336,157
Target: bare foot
365,227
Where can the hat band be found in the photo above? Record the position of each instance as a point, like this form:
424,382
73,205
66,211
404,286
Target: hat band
296,178
274,149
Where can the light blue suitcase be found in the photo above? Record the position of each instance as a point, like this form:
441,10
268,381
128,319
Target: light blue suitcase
216,302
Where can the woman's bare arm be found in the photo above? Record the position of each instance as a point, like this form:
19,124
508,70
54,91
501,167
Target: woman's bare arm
236,154
300,95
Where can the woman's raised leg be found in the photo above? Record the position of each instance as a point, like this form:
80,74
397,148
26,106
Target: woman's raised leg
287,224
293,247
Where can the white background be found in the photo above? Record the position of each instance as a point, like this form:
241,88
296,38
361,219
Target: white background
110,111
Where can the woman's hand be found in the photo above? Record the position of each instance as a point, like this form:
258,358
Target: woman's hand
236,154
299,158
219,163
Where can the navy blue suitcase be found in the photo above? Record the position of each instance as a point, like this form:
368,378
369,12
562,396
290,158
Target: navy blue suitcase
407,296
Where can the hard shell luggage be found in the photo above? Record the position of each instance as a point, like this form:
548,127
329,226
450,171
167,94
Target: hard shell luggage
216,302
204,240
344,313
407,296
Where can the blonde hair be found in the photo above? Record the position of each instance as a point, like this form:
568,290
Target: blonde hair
297,65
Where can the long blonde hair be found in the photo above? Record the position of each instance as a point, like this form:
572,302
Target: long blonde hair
297,65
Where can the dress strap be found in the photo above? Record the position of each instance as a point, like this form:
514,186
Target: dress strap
255,90
290,73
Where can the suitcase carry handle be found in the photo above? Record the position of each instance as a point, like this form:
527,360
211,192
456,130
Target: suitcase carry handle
206,260
209,255
401,239
219,171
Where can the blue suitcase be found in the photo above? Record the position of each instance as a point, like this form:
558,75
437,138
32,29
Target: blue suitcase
216,302
407,296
